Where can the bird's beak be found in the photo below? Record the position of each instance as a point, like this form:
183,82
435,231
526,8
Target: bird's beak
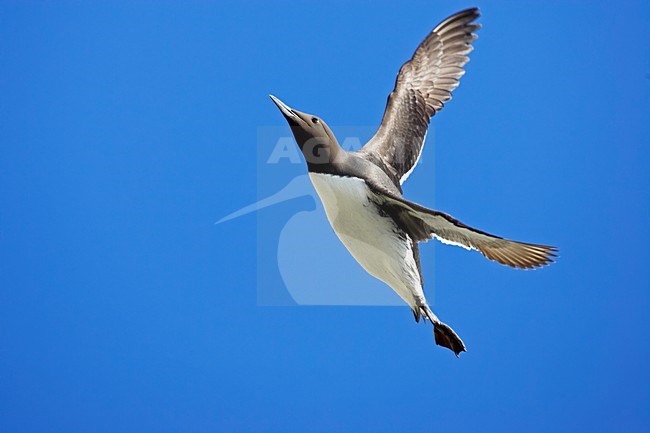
287,111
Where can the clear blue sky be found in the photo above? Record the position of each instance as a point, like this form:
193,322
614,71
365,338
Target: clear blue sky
127,129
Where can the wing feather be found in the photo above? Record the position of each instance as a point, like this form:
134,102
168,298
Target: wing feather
424,84
423,224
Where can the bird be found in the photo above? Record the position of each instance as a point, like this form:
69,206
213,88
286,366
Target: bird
361,191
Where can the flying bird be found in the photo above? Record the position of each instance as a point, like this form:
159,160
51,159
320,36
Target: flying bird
361,191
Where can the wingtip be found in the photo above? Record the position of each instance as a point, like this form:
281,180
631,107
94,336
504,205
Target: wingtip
475,10
463,18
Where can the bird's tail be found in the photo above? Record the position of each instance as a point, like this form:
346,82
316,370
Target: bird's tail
444,335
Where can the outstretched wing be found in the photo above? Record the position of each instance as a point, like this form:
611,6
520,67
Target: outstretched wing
423,224
423,85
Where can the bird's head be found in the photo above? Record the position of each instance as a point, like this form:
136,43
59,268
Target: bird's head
315,139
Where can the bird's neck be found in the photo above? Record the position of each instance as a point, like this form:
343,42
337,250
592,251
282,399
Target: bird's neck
321,152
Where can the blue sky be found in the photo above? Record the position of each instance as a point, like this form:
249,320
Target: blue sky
128,129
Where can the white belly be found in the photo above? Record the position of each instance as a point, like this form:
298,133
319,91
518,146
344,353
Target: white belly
382,249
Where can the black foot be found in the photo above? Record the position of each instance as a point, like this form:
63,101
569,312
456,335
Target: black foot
446,337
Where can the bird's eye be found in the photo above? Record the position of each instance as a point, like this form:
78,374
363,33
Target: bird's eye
314,120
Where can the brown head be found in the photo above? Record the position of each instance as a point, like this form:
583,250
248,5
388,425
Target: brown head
315,139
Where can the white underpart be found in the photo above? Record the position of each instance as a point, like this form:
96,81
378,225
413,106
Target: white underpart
417,160
370,237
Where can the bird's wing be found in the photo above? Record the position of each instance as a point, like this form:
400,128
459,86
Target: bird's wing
423,85
423,224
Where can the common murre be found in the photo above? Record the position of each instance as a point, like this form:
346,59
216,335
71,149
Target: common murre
361,191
